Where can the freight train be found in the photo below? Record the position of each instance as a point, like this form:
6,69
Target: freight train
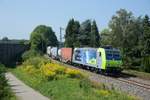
102,59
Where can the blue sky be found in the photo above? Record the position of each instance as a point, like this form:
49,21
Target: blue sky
18,18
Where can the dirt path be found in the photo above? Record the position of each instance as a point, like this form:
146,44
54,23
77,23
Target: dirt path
22,91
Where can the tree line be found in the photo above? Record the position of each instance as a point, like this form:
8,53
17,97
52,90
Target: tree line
86,34
132,36
125,31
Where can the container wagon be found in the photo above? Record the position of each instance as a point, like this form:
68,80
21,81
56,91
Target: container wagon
66,55
54,52
48,50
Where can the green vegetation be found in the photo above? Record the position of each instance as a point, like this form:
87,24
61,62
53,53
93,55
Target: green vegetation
86,34
30,53
72,32
95,37
5,91
106,37
126,33
62,83
132,35
41,37
142,75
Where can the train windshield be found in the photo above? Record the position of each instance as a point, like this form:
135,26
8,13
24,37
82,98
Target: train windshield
116,55
113,55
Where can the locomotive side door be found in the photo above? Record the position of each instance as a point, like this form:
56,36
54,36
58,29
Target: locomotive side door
99,60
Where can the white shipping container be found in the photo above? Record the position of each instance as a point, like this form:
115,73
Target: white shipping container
54,52
49,50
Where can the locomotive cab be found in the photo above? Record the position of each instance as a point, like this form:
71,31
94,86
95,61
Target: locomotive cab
109,59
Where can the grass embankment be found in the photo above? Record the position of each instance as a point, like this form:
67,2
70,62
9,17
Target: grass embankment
61,83
5,90
139,74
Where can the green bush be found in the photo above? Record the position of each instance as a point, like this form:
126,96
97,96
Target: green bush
29,54
146,64
103,92
37,61
2,68
5,93
74,73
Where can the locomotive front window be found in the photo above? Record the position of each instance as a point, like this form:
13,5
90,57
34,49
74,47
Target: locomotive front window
109,55
113,55
116,55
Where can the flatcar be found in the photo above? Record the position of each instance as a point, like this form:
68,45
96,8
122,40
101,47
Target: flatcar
103,59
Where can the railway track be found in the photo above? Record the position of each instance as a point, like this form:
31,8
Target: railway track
133,82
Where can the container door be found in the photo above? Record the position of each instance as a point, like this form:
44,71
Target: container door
99,60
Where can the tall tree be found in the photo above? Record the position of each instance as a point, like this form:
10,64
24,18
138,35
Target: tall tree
72,33
146,36
126,32
76,28
95,37
85,33
119,26
41,37
68,35
133,52
146,44
106,37
37,42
